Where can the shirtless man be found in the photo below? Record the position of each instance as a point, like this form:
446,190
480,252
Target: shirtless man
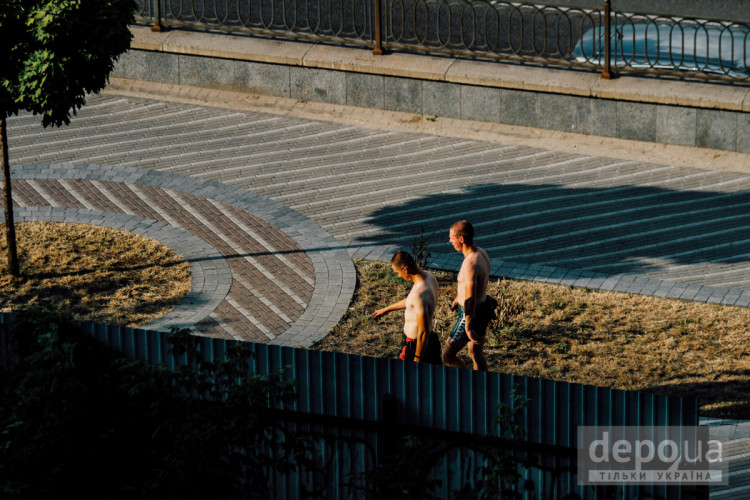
474,310
421,344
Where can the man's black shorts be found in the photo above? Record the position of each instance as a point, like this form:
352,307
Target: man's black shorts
430,353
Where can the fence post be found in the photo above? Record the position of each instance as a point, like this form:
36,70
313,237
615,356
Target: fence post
390,431
607,74
378,49
157,17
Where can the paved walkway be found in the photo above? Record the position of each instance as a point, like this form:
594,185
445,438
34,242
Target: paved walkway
263,205
269,208
260,272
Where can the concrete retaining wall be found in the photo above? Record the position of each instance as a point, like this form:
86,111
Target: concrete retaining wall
707,115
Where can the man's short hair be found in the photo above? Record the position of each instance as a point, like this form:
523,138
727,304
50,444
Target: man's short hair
465,229
402,258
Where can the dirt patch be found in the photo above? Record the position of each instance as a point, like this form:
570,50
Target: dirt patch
93,273
608,339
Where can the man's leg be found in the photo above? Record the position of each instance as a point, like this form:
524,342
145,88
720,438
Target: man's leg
450,351
480,322
476,351
433,352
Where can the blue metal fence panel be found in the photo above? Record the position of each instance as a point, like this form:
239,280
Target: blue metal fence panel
438,397
354,388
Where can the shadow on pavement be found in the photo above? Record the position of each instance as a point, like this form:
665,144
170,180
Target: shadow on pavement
623,229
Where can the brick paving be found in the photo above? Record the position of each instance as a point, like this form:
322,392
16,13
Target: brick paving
260,272
279,196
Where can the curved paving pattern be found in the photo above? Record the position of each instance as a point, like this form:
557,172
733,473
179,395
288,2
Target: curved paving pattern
543,215
260,272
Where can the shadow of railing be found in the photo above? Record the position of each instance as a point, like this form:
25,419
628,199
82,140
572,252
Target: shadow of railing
623,229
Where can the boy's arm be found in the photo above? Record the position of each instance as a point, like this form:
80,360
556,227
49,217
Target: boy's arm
401,304
470,301
422,331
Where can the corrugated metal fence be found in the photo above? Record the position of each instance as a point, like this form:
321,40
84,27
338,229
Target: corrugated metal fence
357,403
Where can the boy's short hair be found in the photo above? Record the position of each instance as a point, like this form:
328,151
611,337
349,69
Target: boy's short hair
402,258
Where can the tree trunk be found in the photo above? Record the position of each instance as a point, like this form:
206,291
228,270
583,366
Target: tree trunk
10,228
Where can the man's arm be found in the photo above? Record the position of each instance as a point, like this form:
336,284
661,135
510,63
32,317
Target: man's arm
401,304
422,324
470,303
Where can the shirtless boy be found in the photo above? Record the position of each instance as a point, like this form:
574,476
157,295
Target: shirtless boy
421,343
474,310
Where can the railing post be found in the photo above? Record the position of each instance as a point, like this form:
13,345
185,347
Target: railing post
607,74
378,49
390,431
157,17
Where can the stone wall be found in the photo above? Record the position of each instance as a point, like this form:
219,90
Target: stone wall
707,115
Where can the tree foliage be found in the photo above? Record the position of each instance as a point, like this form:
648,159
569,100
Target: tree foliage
54,52
406,472
79,419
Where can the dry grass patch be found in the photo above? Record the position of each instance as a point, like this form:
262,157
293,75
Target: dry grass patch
606,339
93,273
600,338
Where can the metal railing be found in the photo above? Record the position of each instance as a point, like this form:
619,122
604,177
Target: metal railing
338,21
667,46
601,40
